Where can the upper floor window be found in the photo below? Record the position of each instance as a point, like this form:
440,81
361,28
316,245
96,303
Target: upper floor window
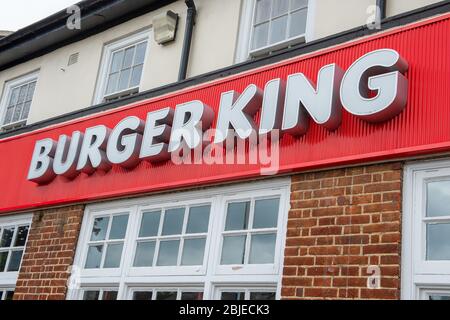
16,101
122,67
270,25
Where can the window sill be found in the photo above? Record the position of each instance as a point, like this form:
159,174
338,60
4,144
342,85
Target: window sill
277,46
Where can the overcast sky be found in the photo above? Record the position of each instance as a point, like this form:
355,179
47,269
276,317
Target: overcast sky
16,14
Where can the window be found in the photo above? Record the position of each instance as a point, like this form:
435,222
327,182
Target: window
122,67
16,101
100,294
426,267
13,237
237,294
270,25
186,246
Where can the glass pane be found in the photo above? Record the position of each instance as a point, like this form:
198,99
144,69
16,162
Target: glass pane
166,295
112,83
22,93
438,198
94,257
193,252
262,248
14,261
140,53
9,295
17,112
91,295
173,221
142,295
150,224
109,295
260,36
136,76
113,255
439,297
438,241
168,253
30,91
99,229
21,237
9,114
278,29
262,10
296,4
118,227
117,59
192,296
128,60
262,296
198,220
14,96
7,237
233,250
237,216
280,7
3,258
233,296
25,110
124,79
145,251
266,213
298,23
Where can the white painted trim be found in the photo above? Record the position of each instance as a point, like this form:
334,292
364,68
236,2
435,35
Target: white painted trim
8,88
144,35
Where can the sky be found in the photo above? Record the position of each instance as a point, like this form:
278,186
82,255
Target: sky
16,14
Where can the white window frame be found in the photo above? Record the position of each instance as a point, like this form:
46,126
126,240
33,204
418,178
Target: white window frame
245,35
7,91
210,275
420,276
246,290
109,49
158,288
4,291
8,279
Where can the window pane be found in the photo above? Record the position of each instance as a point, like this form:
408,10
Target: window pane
192,296
7,236
262,10
3,258
9,114
262,248
168,253
99,229
439,297
9,295
17,112
198,221
30,91
91,295
438,241
237,216
278,29
14,260
94,257
128,60
150,224
21,237
25,110
193,252
14,97
142,295
109,295
140,53
296,4
145,251
260,36
233,250
262,296
124,79
117,61
136,76
298,23
233,296
119,227
112,83
266,213
438,198
113,255
173,221
166,295
22,94
280,7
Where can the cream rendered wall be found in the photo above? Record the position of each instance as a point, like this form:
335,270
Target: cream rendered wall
394,7
62,89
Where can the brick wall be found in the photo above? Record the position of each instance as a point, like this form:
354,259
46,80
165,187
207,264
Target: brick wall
342,221
49,254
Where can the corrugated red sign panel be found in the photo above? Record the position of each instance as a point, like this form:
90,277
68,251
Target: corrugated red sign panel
423,127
